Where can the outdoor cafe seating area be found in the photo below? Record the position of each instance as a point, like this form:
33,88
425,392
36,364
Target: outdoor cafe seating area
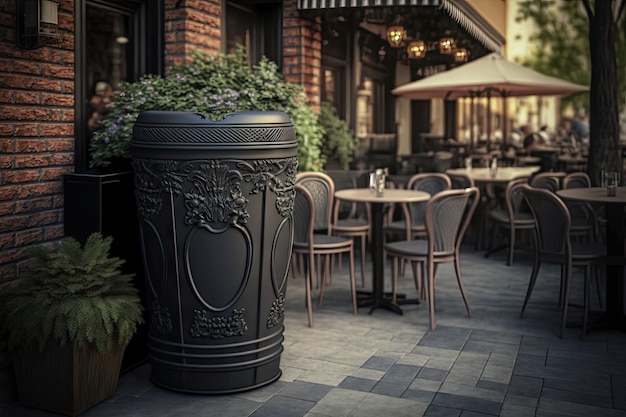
376,361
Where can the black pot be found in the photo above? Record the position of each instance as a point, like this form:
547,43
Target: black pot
215,204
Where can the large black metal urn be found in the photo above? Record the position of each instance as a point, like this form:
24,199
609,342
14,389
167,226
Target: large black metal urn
215,201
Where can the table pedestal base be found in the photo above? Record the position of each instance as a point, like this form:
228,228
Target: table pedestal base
367,299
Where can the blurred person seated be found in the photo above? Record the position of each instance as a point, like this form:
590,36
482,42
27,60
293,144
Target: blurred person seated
99,104
579,127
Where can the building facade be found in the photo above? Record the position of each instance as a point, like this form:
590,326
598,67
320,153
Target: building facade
337,50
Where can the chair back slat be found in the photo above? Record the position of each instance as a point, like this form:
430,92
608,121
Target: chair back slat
322,189
447,218
552,218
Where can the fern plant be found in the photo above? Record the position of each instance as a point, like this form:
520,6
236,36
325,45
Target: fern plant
72,294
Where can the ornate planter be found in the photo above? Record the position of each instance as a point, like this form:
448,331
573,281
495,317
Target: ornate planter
215,204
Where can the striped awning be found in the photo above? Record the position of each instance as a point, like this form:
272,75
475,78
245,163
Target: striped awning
458,10
333,4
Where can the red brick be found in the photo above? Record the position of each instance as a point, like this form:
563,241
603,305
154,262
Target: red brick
7,97
27,67
28,237
20,176
6,129
22,97
7,241
56,145
29,113
54,232
6,162
7,65
56,129
49,174
32,205
24,82
7,208
38,189
7,145
30,145
26,129
59,100
57,71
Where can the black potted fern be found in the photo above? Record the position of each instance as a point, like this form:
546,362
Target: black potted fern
68,321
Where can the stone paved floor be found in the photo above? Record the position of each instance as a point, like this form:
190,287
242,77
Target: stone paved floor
492,364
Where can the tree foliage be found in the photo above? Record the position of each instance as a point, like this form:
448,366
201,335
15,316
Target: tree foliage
560,42
560,50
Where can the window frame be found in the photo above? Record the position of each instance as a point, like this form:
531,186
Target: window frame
146,28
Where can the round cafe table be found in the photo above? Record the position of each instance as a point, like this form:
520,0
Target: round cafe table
377,298
614,207
503,174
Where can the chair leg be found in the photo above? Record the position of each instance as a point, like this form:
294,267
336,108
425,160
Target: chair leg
324,274
431,294
417,277
363,255
511,246
566,288
308,284
353,281
588,272
531,283
457,268
597,278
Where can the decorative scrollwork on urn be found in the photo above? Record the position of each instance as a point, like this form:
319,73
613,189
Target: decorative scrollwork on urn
161,318
277,311
218,327
216,196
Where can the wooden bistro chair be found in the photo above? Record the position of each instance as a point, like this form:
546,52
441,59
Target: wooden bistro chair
585,222
447,218
547,180
554,245
430,182
514,217
352,223
313,245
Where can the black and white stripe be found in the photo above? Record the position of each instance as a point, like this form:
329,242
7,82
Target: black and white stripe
334,4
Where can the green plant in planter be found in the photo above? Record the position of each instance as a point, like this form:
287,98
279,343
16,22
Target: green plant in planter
72,294
212,85
338,143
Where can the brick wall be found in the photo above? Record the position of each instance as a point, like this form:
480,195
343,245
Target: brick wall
36,147
302,52
191,25
36,137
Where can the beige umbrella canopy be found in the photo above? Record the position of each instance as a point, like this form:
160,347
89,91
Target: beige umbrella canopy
486,76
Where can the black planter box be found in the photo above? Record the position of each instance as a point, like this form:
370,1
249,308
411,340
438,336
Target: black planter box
102,201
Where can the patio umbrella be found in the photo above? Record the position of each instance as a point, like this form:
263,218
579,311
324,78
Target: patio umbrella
491,74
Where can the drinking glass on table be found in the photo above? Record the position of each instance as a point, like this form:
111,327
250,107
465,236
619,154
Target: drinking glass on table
610,180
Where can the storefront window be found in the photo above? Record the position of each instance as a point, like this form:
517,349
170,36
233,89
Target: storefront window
258,27
114,43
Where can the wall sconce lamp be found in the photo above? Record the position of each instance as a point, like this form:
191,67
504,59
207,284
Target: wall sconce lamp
416,49
446,45
396,35
37,22
460,55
